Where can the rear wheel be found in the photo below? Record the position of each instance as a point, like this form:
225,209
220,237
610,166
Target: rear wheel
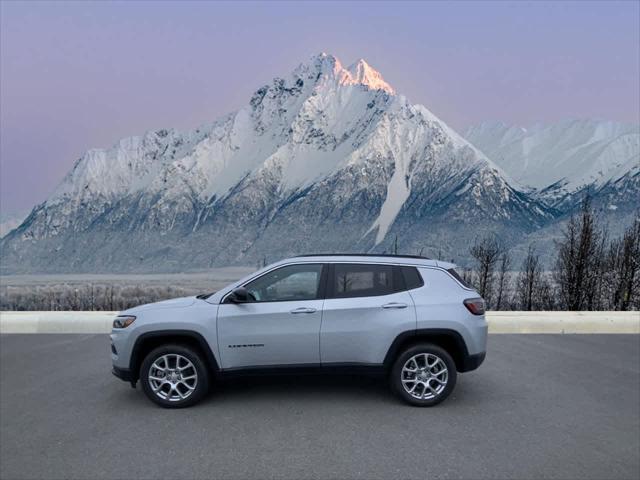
424,375
174,376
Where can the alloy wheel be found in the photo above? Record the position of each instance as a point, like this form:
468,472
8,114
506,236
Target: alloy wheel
424,376
173,377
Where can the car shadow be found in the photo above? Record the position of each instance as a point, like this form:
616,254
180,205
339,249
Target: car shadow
361,389
274,387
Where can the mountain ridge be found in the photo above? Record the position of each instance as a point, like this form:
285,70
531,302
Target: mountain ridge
563,161
325,159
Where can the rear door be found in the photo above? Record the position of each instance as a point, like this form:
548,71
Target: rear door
280,326
367,306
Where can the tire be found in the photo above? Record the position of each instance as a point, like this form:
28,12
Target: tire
423,395
174,385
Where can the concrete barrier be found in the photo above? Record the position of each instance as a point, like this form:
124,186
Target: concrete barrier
56,322
564,322
499,322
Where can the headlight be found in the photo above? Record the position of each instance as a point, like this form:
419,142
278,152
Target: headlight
123,321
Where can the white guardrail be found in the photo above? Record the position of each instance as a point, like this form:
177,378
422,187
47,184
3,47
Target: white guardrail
499,322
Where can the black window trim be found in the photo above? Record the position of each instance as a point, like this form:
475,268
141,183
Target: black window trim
325,290
396,276
322,287
458,278
402,269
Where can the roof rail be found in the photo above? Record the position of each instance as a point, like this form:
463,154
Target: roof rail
361,255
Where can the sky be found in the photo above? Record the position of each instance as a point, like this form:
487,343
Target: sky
80,75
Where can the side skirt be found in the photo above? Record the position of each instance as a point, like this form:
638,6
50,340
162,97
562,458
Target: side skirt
306,369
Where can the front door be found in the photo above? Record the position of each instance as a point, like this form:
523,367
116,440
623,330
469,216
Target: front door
280,325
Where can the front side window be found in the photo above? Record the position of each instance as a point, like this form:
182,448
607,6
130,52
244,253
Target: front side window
356,280
290,283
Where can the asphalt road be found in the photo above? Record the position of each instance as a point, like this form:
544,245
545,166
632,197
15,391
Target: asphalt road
540,407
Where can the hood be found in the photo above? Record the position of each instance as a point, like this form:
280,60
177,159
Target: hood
172,303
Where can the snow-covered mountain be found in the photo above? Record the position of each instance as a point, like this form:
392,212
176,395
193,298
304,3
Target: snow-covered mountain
564,160
9,221
326,159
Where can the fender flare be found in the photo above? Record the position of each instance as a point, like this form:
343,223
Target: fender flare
408,336
135,361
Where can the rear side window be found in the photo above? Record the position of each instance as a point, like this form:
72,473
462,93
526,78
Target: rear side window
359,280
412,278
457,276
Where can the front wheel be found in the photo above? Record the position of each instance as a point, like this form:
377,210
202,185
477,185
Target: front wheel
174,376
424,375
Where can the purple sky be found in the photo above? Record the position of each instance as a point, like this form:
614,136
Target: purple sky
80,75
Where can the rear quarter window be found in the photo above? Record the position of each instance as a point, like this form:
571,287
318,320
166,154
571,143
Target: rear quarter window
441,285
458,277
412,278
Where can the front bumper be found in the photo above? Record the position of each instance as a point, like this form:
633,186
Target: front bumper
123,374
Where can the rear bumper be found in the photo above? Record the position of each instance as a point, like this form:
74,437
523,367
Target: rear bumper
471,362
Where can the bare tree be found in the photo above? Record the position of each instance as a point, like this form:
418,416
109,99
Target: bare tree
595,285
486,252
467,276
110,298
623,268
546,295
576,266
529,283
91,296
502,285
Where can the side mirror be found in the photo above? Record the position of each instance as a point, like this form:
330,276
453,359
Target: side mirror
238,295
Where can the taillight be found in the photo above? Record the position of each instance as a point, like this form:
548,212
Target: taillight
475,305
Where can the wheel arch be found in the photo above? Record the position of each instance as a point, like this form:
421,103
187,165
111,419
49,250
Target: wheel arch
146,342
449,340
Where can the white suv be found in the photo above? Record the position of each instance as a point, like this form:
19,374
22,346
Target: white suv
410,318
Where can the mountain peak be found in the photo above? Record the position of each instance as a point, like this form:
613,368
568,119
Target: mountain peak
363,73
324,58
359,73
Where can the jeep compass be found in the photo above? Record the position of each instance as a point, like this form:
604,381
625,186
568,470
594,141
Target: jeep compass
412,319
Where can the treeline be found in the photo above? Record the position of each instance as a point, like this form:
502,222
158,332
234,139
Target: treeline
85,297
590,271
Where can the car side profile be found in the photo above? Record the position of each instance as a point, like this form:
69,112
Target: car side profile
410,318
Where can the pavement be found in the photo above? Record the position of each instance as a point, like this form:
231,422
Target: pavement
541,406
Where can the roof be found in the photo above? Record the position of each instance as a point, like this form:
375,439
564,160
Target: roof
373,258
335,257
362,255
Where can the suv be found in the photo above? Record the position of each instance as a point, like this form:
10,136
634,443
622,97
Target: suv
410,318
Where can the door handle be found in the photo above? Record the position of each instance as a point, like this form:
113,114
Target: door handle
394,305
303,310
